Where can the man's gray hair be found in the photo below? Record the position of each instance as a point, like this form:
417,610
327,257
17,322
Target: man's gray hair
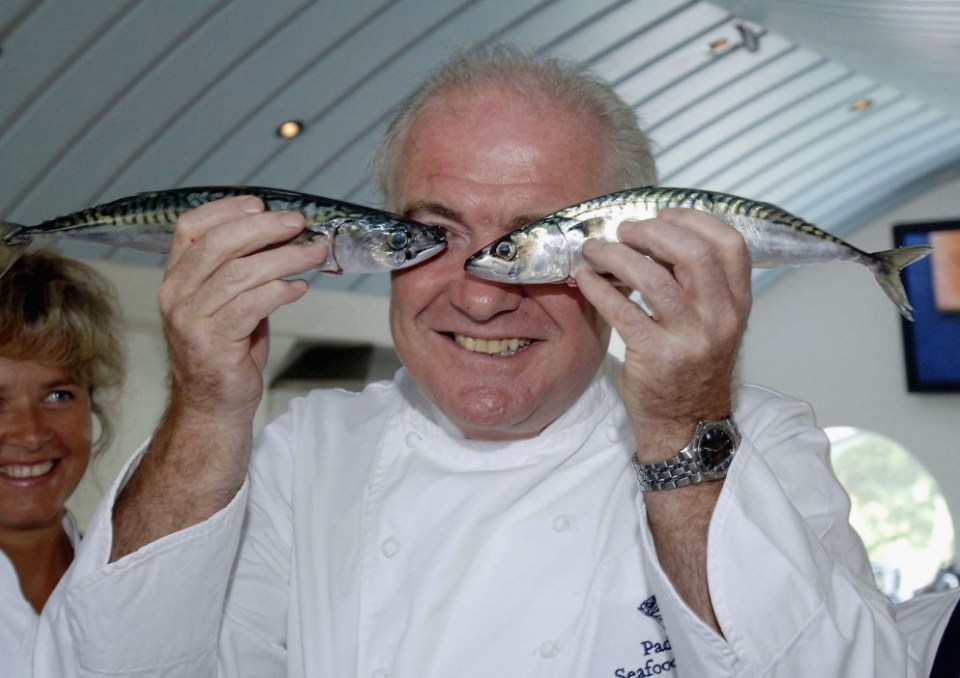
630,162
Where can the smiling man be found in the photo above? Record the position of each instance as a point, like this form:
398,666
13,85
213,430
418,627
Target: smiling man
500,360
515,502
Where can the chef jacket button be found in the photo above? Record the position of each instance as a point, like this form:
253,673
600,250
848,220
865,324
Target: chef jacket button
561,524
612,433
380,673
413,439
390,547
549,649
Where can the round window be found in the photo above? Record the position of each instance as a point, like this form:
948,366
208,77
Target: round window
897,509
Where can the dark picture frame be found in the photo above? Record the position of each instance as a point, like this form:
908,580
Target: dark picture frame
931,342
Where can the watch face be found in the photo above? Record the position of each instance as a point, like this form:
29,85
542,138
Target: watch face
716,446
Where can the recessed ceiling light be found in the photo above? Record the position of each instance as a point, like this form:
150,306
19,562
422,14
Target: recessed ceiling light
861,105
290,129
719,46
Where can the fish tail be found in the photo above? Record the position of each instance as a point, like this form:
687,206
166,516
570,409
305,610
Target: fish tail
889,264
10,251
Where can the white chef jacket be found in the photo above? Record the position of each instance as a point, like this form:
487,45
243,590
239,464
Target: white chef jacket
377,542
18,619
924,618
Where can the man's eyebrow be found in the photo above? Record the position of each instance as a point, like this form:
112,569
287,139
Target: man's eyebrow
439,209
522,220
429,207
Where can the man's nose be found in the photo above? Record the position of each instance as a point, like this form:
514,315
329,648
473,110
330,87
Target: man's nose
484,299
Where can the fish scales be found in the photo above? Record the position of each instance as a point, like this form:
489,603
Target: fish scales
360,239
732,209
165,207
550,250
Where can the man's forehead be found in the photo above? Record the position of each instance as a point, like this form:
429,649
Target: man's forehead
472,157
502,143
420,209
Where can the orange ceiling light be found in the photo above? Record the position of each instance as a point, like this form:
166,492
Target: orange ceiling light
290,129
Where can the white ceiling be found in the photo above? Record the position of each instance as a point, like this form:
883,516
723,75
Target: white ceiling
103,99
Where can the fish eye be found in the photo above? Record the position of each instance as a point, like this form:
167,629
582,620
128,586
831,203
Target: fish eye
398,240
505,250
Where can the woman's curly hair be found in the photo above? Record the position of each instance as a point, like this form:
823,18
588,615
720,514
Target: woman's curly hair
63,313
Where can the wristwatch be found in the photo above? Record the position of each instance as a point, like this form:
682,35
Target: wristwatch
707,457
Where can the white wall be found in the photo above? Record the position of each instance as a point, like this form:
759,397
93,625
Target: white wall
829,335
826,334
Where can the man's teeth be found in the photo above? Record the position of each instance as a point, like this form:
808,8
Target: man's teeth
493,346
20,471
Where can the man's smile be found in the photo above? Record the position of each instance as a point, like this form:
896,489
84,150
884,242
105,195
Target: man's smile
492,346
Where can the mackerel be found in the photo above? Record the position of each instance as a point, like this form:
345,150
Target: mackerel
550,250
359,239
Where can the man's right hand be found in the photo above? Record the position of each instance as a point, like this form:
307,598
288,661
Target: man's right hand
224,276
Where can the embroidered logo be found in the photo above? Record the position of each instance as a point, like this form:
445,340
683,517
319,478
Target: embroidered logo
650,609
657,654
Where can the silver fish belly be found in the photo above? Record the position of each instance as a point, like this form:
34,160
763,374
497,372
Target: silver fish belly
360,239
550,250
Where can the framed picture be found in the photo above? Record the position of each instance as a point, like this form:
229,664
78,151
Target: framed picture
932,341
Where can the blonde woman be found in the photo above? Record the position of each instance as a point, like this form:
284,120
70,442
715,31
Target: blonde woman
61,354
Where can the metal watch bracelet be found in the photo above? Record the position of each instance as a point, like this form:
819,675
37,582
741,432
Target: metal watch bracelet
673,473
706,458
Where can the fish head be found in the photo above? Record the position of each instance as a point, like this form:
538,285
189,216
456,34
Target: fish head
376,244
537,253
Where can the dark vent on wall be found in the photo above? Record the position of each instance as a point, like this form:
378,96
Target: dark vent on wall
330,365
326,362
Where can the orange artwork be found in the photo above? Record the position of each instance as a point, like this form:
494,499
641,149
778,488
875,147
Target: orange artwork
945,266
